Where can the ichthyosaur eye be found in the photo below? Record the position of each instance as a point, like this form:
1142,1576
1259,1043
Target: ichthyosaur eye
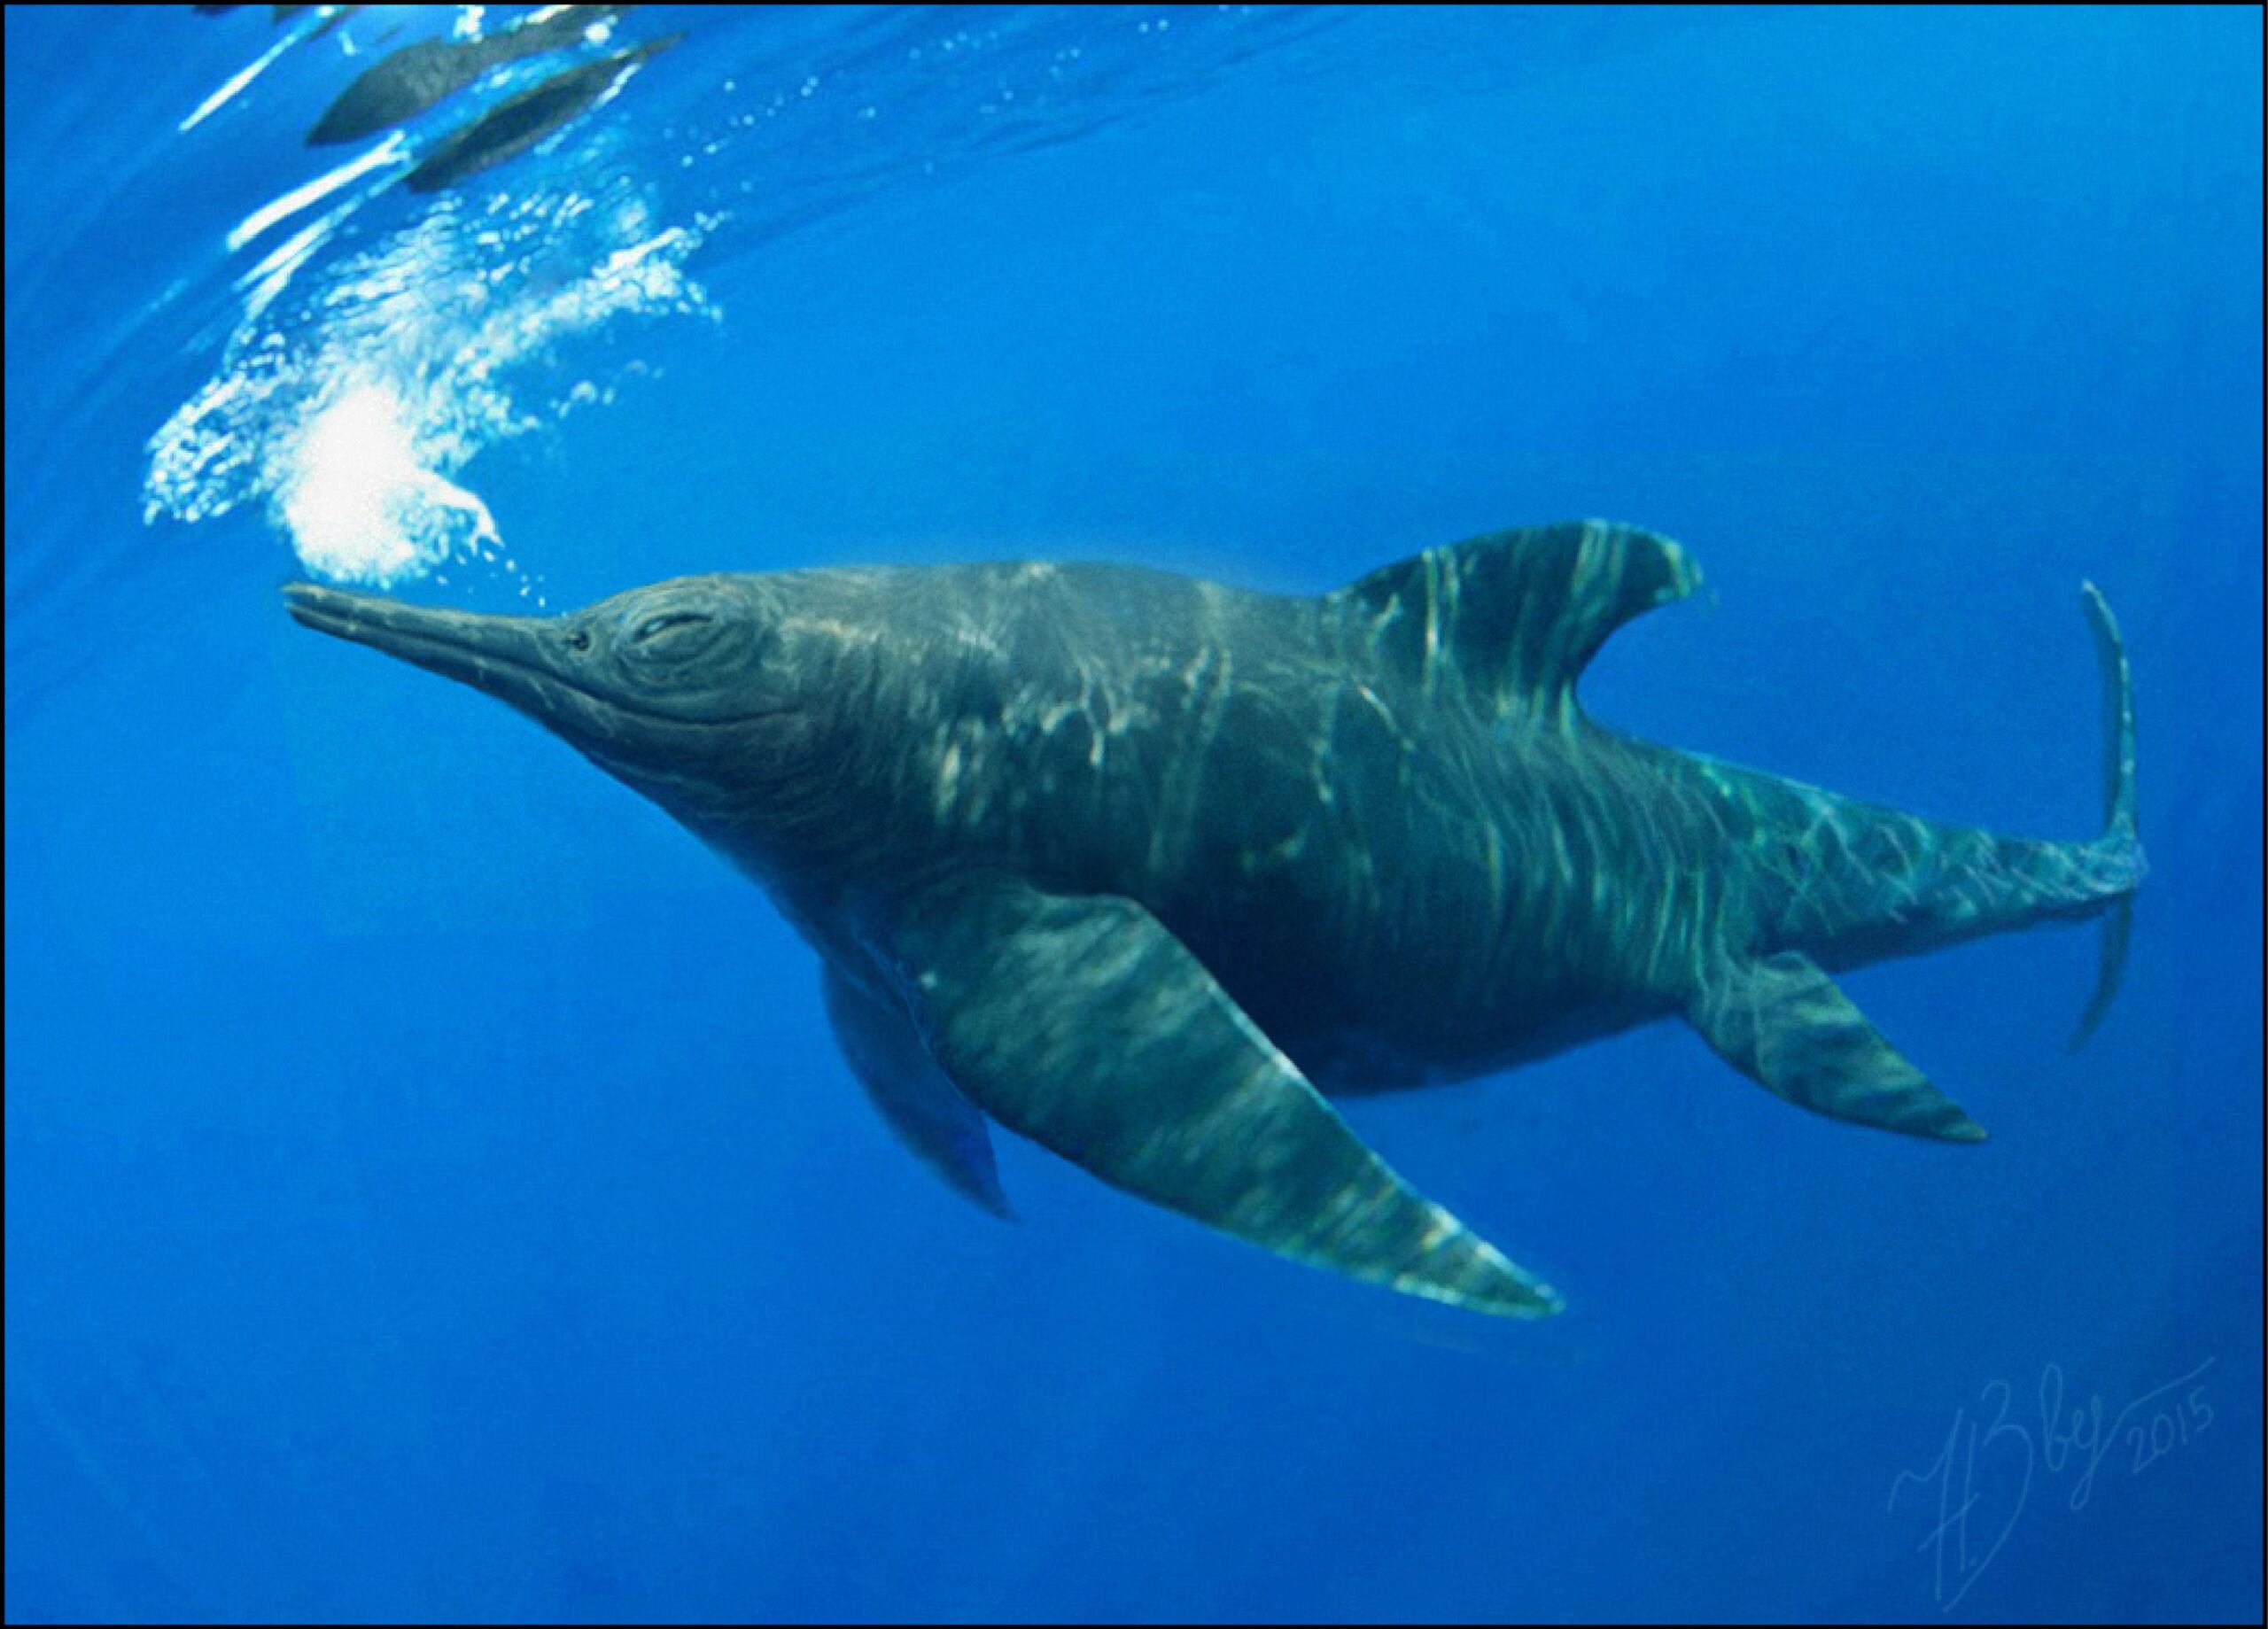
663,622
671,636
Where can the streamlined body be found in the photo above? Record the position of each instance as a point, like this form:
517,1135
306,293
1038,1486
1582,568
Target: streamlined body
401,85
1141,865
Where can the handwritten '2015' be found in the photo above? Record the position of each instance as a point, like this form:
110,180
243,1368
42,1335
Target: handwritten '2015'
2076,1437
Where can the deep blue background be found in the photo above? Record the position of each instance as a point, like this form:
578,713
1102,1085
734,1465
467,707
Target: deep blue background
431,1190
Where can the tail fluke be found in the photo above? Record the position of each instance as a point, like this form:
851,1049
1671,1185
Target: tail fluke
2117,717
2118,837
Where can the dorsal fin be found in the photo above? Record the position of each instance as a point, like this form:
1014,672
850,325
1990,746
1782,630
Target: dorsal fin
1511,618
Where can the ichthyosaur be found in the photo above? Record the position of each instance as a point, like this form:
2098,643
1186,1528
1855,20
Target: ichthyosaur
1141,866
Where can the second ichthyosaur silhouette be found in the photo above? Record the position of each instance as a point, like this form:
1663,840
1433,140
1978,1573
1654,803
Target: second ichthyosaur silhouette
1141,866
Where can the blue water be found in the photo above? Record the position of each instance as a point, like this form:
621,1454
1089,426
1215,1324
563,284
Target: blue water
432,1192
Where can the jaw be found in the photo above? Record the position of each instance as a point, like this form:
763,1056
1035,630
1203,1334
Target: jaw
505,656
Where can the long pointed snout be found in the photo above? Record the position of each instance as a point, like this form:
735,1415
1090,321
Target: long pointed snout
506,656
462,645
511,659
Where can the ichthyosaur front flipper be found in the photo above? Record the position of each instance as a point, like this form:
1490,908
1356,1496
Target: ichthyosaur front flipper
1084,1024
920,1105
1783,1022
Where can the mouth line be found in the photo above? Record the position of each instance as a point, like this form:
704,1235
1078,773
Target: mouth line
328,610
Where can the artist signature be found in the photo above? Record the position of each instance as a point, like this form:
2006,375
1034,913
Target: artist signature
1996,1445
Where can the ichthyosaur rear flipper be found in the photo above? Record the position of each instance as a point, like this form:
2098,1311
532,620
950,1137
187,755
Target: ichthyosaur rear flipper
1084,1024
1783,1022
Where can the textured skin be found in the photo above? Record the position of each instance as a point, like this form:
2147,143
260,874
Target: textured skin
1095,829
